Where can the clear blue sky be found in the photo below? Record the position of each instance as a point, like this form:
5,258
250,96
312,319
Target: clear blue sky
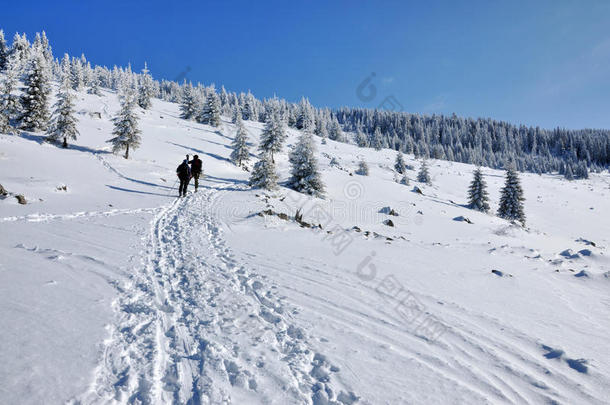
536,62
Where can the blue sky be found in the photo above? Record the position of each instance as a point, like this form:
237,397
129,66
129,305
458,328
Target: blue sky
543,63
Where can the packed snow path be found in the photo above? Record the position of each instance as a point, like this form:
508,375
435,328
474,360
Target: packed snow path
195,324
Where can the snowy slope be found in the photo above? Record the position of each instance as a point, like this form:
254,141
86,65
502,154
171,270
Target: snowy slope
114,291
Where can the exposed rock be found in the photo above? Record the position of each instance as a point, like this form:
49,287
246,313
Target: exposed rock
462,219
417,190
388,222
21,199
388,211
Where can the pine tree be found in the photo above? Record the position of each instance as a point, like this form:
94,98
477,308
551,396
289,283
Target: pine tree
377,139
334,131
95,86
263,173
569,175
10,106
477,193
423,176
305,119
34,101
145,89
399,165
273,136
363,168
511,199
189,105
241,153
3,52
305,175
78,79
126,132
211,110
63,124
361,139
405,180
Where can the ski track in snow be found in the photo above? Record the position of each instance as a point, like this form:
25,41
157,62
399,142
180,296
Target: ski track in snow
195,326
493,361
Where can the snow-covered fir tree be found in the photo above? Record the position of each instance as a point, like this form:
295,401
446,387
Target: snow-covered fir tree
3,51
399,164
305,117
63,123
363,168
304,167
21,49
263,174
377,139
405,180
211,110
274,134
423,176
511,198
361,139
477,193
94,88
334,131
126,132
569,174
189,105
241,153
10,106
145,88
34,100
78,79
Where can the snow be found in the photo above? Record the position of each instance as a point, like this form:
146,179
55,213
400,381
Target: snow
115,291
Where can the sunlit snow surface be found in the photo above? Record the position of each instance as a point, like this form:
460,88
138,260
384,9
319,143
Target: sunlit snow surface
115,291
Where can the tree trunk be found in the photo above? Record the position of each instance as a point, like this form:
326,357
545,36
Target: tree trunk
65,144
127,152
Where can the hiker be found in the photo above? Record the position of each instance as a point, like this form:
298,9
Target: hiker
184,174
196,170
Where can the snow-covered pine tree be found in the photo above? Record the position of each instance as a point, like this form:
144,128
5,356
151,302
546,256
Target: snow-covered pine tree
211,110
34,100
305,174
145,88
363,168
78,79
95,86
263,173
3,51
10,107
126,132
236,113
511,198
423,176
361,139
273,136
5,126
477,193
377,139
405,180
334,130
569,174
189,104
63,123
399,164
241,153
305,118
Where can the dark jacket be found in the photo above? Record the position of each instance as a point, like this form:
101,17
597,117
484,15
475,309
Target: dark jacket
184,171
196,166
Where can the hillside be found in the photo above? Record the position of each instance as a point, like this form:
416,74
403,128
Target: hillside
115,291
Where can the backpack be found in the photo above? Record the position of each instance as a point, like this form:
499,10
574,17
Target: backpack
184,170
